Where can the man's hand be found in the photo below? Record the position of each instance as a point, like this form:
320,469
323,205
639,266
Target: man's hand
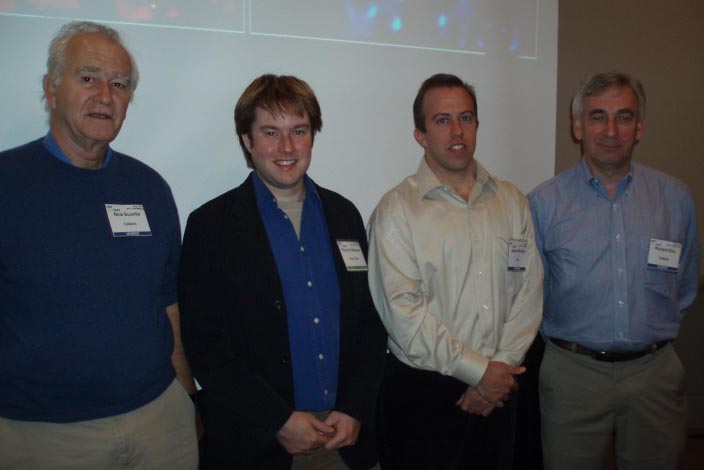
471,402
303,432
346,430
497,383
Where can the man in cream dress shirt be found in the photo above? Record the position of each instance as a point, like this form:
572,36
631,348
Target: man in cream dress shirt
457,280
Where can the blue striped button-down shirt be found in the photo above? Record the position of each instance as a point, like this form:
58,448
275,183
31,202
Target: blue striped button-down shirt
599,291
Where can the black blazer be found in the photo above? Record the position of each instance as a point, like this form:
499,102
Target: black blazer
235,332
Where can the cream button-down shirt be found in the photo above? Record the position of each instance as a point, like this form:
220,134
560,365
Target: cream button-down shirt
439,277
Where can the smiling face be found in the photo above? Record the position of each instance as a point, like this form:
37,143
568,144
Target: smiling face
609,128
281,145
90,102
450,135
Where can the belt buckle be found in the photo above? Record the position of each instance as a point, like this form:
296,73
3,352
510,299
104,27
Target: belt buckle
604,356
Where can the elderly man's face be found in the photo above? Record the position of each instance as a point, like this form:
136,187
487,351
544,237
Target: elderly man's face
90,103
609,128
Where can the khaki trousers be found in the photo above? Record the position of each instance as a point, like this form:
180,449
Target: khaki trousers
588,406
159,435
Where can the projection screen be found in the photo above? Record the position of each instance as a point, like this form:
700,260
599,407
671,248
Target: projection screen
364,59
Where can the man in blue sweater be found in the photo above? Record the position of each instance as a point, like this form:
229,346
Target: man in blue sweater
93,373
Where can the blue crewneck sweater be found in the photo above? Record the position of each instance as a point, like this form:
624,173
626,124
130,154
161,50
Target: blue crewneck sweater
83,331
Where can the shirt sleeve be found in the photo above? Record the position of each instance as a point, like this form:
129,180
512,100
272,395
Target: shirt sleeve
525,313
170,290
688,274
417,335
538,220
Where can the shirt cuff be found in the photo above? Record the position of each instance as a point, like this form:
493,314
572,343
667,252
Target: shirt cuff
471,367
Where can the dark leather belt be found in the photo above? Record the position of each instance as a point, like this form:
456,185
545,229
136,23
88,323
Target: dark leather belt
608,356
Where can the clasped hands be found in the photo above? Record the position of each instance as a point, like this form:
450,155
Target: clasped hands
492,391
303,433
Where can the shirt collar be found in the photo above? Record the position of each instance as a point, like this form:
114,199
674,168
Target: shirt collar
587,175
427,181
266,199
53,147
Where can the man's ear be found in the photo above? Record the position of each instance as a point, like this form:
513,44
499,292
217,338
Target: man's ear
247,142
640,129
420,137
49,91
577,130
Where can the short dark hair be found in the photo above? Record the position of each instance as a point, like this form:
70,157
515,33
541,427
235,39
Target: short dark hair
600,82
276,94
440,80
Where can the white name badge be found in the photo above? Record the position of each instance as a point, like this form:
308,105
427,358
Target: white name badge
517,254
352,255
664,255
128,220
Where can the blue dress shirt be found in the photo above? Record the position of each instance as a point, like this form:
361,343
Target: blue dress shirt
53,147
599,291
311,293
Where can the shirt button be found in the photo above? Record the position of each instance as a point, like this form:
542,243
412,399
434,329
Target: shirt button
325,392
316,320
614,207
320,356
485,307
621,303
285,217
481,273
277,304
620,271
618,237
310,283
302,248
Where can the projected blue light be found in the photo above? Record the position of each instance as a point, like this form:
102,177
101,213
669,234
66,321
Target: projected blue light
397,24
462,25
373,10
515,41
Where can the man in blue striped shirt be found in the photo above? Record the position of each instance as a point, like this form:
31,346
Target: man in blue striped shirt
621,253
